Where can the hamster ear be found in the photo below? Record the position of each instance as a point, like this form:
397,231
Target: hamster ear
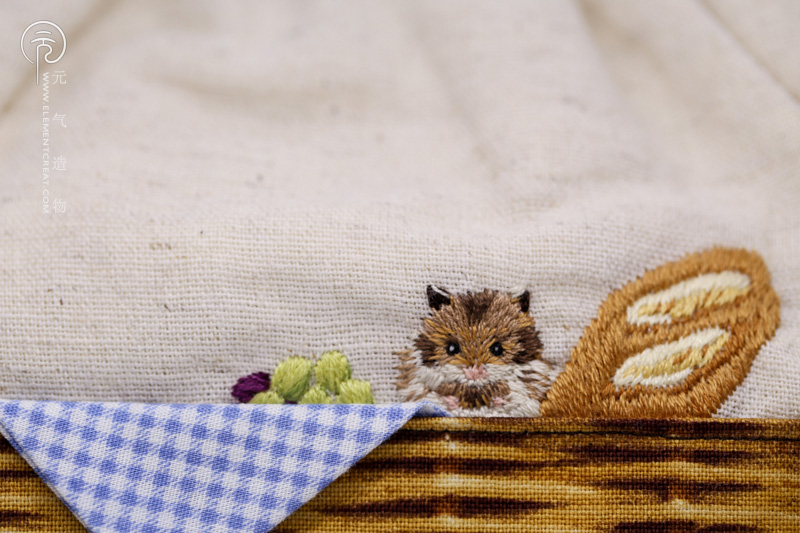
437,297
524,300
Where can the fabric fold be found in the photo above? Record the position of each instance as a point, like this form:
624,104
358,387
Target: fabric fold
125,467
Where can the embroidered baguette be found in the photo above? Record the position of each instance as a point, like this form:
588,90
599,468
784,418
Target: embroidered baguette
673,343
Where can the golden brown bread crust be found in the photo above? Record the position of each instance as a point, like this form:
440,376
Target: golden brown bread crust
745,319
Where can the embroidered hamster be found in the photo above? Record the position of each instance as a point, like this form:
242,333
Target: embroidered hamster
478,354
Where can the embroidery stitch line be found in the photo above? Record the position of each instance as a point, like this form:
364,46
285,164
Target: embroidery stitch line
681,300
667,365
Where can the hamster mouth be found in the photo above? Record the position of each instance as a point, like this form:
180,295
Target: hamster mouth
473,396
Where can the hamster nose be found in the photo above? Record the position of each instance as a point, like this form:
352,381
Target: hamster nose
476,372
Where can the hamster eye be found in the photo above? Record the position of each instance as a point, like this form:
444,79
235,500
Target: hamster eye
453,348
496,349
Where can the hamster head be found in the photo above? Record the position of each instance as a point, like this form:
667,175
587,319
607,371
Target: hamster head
479,345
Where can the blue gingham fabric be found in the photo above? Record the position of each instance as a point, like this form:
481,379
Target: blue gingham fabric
125,467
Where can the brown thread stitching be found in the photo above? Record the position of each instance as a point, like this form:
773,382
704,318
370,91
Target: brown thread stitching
484,331
584,388
477,320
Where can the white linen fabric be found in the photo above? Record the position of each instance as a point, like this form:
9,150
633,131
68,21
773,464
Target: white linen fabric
247,181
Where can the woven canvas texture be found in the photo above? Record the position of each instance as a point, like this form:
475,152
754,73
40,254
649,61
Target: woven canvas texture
248,182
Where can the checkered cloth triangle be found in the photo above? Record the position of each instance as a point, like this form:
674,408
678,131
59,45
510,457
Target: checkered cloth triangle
126,467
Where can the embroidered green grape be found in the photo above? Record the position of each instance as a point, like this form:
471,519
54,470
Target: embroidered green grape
292,377
332,370
316,394
267,396
300,380
355,391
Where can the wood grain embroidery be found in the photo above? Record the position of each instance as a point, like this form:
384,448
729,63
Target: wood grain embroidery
674,343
